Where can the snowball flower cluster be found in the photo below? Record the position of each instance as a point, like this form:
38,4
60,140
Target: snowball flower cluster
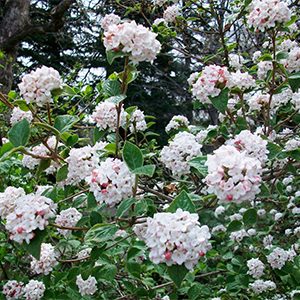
265,14
232,175
258,101
86,287
18,115
252,144
34,290
171,13
36,86
31,212
263,68
67,218
137,120
259,286
13,289
292,144
82,161
8,200
47,261
278,257
105,116
111,182
110,19
175,238
240,80
292,63
236,61
210,82
177,122
135,40
176,156
256,267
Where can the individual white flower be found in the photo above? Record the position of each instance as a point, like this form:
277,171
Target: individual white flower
110,19
175,238
261,212
105,116
232,175
67,218
238,236
31,212
171,13
177,122
86,287
34,290
265,14
138,122
84,253
259,286
18,115
135,40
256,267
218,228
236,217
13,289
179,152
160,21
219,211
111,182
36,87
47,261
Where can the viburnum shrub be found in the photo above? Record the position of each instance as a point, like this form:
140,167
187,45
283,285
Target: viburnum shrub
92,207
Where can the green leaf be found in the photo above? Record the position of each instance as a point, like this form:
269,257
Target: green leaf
220,102
62,173
116,99
5,148
111,88
294,81
34,247
182,201
274,150
112,55
95,218
250,216
124,206
177,274
65,122
43,165
199,164
234,226
100,233
133,156
19,134
147,170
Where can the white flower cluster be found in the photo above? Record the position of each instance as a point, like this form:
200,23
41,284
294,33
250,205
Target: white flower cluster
84,253
137,120
34,290
265,14
241,80
292,144
31,212
256,267
252,144
278,257
41,151
133,39
263,68
258,101
175,238
111,182
82,161
36,86
13,289
210,82
171,13
86,287
8,200
202,134
110,19
259,286
18,115
292,63
47,261
67,218
296,101
105,116
232,175
238,236
236,61
177,122
176,156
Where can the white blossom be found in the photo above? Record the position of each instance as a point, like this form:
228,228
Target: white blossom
18,115
256,267
86,287
34,290
67,218
13,289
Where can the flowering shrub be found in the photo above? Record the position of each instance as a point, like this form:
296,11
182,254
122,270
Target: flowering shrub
98,209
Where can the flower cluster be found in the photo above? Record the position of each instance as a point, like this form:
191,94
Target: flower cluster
263,68
86,287
232,175
8,200
259,286
135,40
111,182
18,115
176,238
137,121
13,289
265,14
82,161
105,116
171,13
36,87
278,257
176,156
210,82
177,122
34,290
67,218
31,212
47,261
110,19
256,267
258,101
236,61
240,80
